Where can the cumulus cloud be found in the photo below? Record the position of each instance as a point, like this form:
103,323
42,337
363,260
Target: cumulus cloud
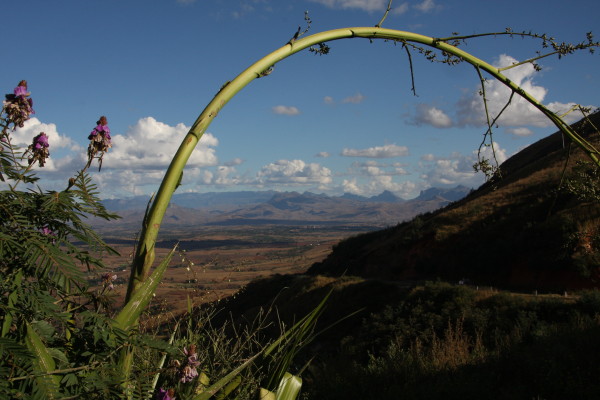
356,99
429,115
286,110
457,168
150,144
235,161
497,153
225,176
519,112
294,172
387,151
351,186
451,170
401,9
323,154
374,168
378,184
426,6
33,126
138,159
372,177
520,131
366,5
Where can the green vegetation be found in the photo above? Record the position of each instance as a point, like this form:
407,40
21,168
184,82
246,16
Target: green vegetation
441,341
60,339
59,335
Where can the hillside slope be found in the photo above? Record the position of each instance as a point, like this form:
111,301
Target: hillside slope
522,231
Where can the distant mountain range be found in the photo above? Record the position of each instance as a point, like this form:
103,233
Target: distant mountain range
291,208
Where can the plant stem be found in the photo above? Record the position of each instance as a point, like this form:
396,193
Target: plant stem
144,256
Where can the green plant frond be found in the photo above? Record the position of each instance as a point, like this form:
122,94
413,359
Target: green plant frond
52,263
88,194
289,344
43,363
137,303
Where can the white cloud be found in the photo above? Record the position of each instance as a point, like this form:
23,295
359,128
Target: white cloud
520,131
378,184
520,112
497,153
457,169
286,110
323,154
452,170
328,100
235,161
150,144
425,6
387,151
33,126
294,172
138,160
350,186
401,9
366,5
373,168
430,115
223,176
356,99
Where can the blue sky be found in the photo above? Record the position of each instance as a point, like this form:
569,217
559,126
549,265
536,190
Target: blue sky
344,122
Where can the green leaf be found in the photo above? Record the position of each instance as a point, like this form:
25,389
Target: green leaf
265,394
289,389
141,298
292,341
213,389
43,363
12,301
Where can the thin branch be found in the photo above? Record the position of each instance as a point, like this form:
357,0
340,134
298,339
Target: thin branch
389,7
412,71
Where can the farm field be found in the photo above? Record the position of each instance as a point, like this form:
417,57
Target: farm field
218,262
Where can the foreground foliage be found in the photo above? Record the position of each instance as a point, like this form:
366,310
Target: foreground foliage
442,341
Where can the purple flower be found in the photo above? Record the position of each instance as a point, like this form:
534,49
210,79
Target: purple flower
107,280
189,371
188,374
100,141
18,106
192,356
46,231
21,91
40,141
39,149
165,394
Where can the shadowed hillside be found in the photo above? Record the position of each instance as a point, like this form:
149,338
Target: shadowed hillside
386,333
525,230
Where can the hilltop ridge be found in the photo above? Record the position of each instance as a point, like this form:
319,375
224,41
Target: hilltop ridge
524,230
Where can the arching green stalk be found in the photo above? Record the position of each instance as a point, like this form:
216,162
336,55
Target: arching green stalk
144,256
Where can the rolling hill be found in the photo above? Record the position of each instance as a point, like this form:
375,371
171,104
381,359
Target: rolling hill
525,230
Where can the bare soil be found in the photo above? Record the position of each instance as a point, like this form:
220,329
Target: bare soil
216,263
